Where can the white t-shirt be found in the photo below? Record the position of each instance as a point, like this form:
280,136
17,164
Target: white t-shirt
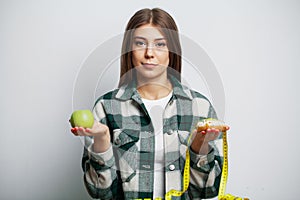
155,109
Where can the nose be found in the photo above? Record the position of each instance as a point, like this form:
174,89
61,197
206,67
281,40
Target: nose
149,52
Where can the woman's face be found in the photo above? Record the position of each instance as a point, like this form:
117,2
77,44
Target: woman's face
150,54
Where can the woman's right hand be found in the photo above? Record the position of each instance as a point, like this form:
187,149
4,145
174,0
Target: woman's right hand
99,131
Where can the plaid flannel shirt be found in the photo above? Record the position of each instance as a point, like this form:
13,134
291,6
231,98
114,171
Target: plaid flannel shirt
125,170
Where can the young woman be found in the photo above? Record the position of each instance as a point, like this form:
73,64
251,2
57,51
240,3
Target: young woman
137,146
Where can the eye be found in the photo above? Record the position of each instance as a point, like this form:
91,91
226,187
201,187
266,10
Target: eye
161,44
140,43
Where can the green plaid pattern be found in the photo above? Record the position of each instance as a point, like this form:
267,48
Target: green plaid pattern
126,169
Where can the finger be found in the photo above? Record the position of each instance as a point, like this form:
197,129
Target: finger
88,130
81,129
74,131
210,130
213,130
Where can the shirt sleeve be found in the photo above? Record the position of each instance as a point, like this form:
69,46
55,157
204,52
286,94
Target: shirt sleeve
206,170
100,176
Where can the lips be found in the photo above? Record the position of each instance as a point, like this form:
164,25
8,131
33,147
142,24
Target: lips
149,65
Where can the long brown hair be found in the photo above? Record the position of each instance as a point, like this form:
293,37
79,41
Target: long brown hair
166,24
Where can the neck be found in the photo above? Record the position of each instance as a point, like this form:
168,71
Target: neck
155,90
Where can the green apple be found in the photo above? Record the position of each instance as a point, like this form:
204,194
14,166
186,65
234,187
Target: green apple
82,118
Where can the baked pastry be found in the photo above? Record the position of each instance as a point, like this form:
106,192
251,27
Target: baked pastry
205,124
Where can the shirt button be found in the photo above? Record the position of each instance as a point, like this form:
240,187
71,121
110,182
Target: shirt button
148,132
201,163
170,132
101,162
117,141
171,167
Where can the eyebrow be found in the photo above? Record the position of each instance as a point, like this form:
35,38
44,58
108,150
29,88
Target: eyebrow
140,37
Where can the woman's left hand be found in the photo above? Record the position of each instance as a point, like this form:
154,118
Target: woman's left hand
201,139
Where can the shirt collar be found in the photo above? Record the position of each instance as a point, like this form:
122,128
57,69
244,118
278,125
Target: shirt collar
129,91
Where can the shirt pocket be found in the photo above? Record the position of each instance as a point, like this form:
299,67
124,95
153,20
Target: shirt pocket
125,139
126,152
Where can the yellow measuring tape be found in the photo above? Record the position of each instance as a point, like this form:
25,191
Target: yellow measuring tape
208,123
222,188
186,179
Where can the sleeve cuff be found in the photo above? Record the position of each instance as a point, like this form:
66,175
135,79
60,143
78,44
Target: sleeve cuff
202,162
103,159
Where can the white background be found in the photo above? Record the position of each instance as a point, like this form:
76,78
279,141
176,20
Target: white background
254,45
